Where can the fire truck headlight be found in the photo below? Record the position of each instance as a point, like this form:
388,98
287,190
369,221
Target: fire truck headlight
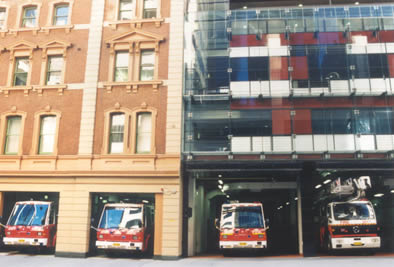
101,236
375,240
39,233
339,241
135,237
8,233
224,236
261,236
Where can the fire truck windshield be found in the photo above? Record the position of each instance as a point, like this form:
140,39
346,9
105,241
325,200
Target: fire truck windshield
121,217
243,217
29,214
353,211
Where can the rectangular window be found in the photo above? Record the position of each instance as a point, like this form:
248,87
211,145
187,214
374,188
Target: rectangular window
121,67
29,17
54,70
47,135
2,17
126,9
60,15
116,135
22,68
150,7
12,135
144,132
147,65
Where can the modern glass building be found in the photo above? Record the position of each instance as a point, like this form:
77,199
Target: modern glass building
280,97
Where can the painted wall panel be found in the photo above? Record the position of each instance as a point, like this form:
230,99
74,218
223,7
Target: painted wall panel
344,142
239,52
300,68
302,121
281,122
282,144
386,36
303,143
322,142
241,144
278,68
365,142
280,88
390,59
384,142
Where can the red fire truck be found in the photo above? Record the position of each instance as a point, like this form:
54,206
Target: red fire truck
125,227
242,226
347,218
31,223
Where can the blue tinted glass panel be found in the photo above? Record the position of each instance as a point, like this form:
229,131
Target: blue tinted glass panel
340,12
387,11
354,12
365,11
239,69
329,12
274,13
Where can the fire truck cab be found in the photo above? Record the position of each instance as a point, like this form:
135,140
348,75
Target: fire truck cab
125,227
242,226
31,223
348,221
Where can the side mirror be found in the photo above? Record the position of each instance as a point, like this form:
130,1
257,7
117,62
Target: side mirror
267,223
217,226
94,228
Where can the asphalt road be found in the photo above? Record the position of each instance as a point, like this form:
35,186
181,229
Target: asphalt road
15,259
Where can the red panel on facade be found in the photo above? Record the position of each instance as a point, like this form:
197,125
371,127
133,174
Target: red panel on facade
239,41
279,69
302,121
281,123
371,36
331,38
304,38
390,63
386,36
300,68
253,41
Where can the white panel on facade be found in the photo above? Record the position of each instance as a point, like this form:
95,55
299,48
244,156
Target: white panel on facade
265,88
356,49
365,142
267,144
391,85
258,51
303,143
339,86
323,142
240,144
255,88
318,90
280,88
301,91
257,143
239,52
282,143
378,48
362,86
344,142
239,89
384,142
379,85
278,51
389,48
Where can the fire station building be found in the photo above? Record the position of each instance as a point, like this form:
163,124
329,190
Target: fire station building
90,110
281,98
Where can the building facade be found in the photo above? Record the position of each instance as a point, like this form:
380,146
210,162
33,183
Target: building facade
279,97
89,106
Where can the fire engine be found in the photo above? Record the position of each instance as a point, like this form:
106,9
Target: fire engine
242,226
125,227
347,218
31,223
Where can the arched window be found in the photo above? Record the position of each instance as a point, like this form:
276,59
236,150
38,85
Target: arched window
116,134
12,135
144,132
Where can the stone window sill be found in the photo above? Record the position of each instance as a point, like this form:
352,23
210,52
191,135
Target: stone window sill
67,28
59,87
132,86
32,29
136,23
25,89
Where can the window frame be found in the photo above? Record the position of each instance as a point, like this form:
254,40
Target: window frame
17,60
111,133
23,18
35,148
116,68
144,9
133,10
138,133
7,135
147,65
54,15
4,25
3,129
49,71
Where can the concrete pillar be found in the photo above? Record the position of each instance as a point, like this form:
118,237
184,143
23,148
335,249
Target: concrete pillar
192,220
158,240
73,227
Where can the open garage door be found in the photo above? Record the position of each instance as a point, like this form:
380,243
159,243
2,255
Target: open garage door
122,224
280,204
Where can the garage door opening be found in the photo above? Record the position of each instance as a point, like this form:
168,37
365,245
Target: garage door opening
279,200
122,224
